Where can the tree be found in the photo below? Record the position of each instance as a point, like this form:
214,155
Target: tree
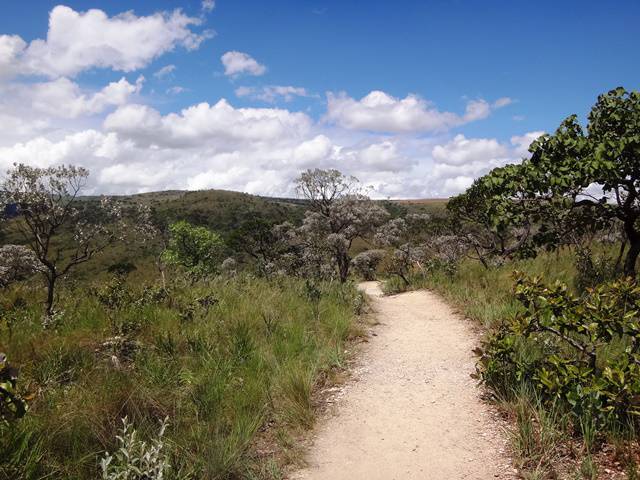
366,263
195,248
403,235
154,233
494,215
255,237
339,213
61,230
575,180
597,171
17,262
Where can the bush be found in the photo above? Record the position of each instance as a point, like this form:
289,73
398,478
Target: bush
136,459
12,406
581,352
366,263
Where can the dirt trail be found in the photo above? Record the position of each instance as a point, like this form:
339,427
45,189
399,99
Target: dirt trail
412,411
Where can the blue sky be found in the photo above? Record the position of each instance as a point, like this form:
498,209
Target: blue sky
547,59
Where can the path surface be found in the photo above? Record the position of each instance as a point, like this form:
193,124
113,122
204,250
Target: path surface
412,411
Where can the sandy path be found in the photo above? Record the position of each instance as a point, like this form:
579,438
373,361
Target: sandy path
412,411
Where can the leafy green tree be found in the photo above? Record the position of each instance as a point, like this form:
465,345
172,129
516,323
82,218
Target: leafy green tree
494,215
575,180
597,169
195,248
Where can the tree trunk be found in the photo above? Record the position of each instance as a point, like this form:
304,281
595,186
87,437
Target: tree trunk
632,257
343,267
623,247
51,283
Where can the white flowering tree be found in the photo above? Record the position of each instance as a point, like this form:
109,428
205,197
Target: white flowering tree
404,236
61,230
339,213
17,262
366,263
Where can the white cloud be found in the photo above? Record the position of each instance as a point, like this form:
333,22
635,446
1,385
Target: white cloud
142,150
381,112
502,102
11,46
64,98
463,151
208,5
175,90
238,63
521,142
165,71
315,151
78,41
220,125
272,93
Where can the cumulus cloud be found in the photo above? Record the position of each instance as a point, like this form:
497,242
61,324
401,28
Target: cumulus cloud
273,93
462,150
31,109
219,125
142,150
78,41
11,47
381,112
64,98
521,142
239,63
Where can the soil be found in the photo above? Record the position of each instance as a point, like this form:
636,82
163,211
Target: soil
411,410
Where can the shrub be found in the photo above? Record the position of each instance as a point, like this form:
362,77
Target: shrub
401,261
12,406
136,459
583,352
195,248
366,263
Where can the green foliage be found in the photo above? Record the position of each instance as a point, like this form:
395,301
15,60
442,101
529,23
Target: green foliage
226,370
584,352
12,406
197,249
546,199
494,215
592,270
136,459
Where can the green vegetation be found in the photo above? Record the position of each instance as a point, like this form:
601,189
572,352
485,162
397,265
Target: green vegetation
227,360
197,249
210,371
547,265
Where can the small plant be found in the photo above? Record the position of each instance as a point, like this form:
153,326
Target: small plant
12,406
136,459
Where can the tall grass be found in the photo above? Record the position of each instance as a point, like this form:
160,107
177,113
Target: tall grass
226,360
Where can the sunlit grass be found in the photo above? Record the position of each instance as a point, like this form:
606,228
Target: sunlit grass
221,373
